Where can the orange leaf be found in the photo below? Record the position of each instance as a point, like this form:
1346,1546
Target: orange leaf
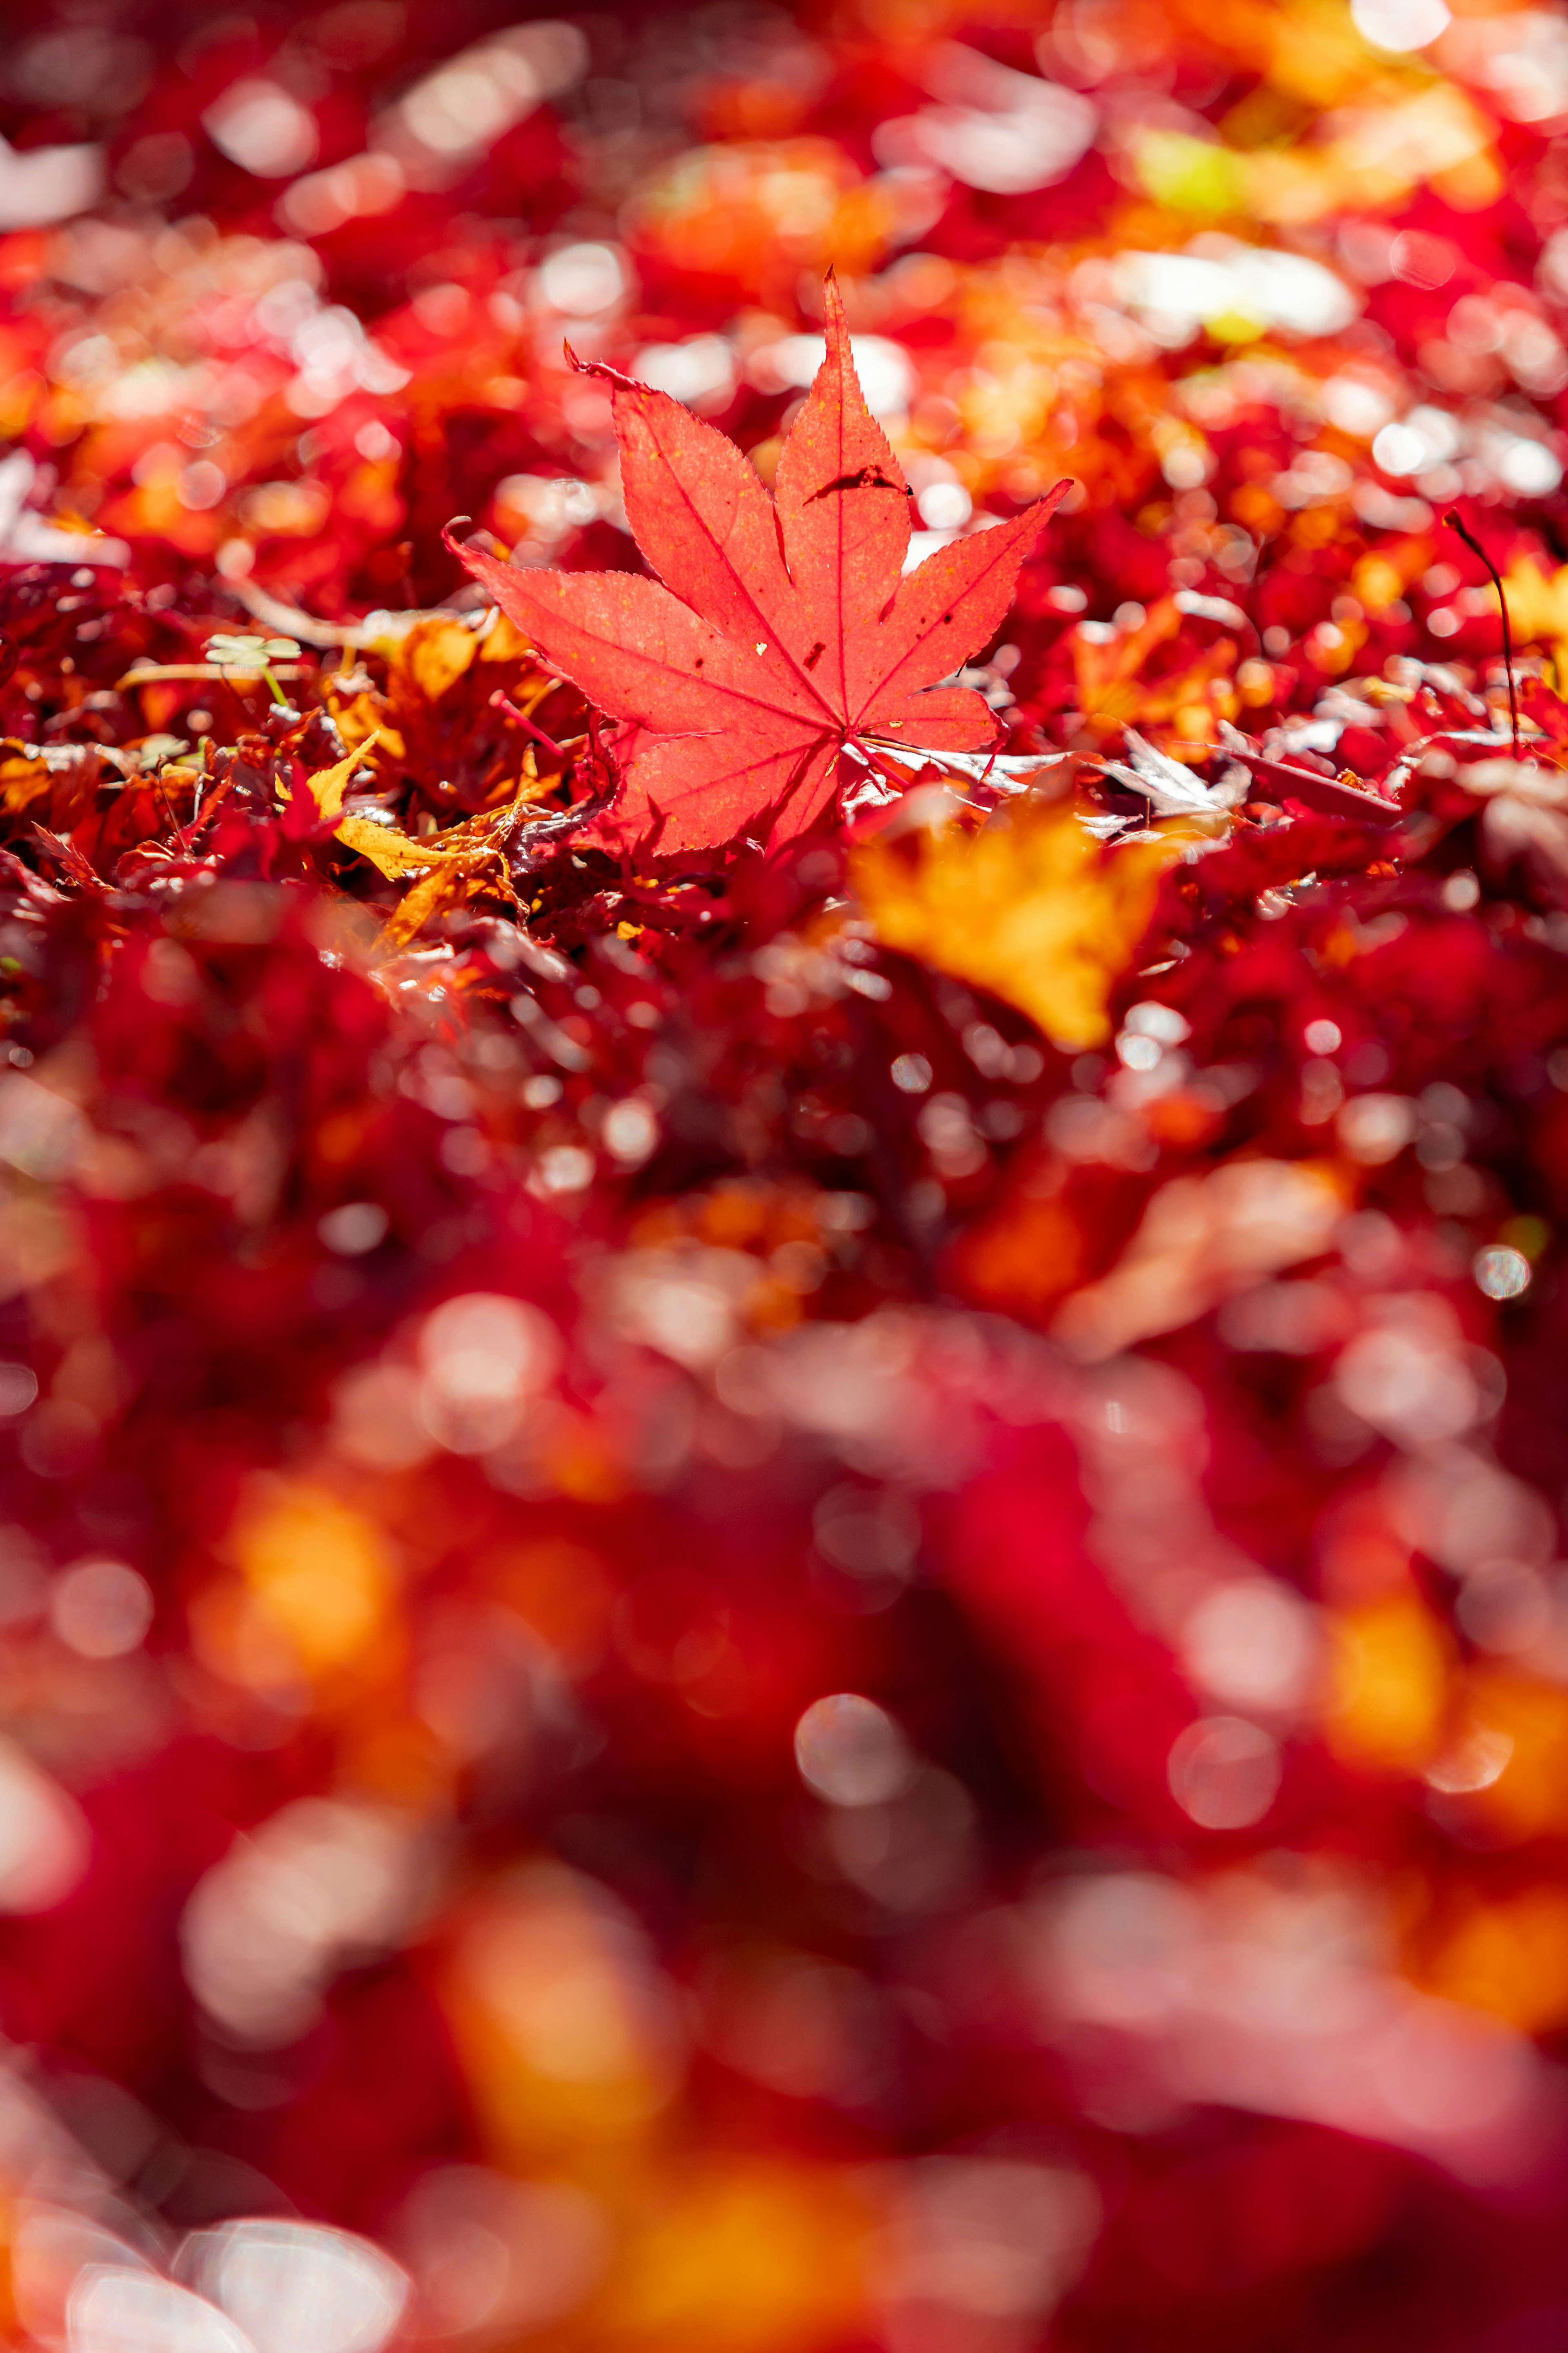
1031,908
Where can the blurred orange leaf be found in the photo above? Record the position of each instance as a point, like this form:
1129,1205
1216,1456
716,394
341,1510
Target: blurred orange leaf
1032,908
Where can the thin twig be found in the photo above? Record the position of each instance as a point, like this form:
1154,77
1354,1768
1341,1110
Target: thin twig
229,674
289,621
1455,521
175,827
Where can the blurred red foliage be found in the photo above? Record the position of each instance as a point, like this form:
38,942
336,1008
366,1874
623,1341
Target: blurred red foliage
809,1602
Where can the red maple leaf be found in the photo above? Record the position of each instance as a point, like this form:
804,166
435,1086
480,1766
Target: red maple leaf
781,629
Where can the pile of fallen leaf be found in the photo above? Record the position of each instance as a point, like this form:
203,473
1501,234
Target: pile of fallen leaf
783,979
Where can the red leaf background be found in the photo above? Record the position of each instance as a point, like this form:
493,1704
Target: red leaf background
781,1441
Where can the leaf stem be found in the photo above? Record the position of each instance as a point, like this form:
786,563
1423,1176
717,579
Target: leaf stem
874,759
500,700
1456,522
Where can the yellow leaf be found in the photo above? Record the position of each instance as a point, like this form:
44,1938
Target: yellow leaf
1108,676
1031,908
1529,1798
435,654
1537,608
330,784
415,911
22,782
1388,1683
744,2254
395,854
557,2017
504,641
362,717
320,1570
1510,1957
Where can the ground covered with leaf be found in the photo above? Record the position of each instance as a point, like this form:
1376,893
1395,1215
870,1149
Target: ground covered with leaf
784,962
